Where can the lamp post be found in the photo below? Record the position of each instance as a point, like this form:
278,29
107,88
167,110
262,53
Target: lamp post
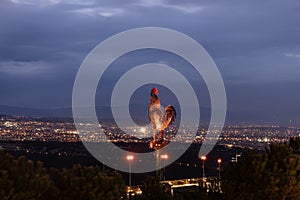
164,157
203,158
129,158
236,157
219,167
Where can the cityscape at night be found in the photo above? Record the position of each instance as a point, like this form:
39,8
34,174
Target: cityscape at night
55,142
149,100
20,128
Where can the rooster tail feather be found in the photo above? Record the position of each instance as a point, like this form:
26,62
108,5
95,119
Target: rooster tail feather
171,113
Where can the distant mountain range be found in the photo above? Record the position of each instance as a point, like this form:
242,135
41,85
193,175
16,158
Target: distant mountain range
139,113
50,112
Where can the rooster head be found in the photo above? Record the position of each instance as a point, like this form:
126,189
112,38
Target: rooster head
154,91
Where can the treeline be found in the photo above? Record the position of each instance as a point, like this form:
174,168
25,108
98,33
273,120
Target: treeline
22,179
274,174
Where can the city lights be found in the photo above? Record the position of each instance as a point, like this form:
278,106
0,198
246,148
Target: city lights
32,129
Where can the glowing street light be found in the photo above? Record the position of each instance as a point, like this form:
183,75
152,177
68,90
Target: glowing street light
164,157
203,158
219,167
129,158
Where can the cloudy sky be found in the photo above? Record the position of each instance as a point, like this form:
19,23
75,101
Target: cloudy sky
255,44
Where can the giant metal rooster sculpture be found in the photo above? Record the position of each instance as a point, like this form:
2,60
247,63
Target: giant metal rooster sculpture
159,117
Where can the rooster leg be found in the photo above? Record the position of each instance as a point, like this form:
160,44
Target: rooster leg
162,134
154,134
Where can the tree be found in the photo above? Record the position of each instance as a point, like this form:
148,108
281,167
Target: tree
274,174
88,183
153,190
23,179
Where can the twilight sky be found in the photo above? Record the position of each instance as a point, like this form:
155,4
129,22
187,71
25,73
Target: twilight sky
255,44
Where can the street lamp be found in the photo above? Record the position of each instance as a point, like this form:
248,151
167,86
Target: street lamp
219,167
164,157
203,158
129,158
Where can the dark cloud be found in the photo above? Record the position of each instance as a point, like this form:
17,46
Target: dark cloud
255,44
